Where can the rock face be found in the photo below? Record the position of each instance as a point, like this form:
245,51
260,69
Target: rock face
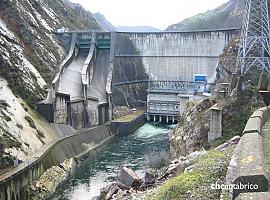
191,134
127,177
128,69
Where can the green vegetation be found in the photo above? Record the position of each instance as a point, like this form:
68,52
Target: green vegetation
30,121
102,196
40,134
3,104
6,141
24,107
225,16
236,113
19,126
196,184
6,117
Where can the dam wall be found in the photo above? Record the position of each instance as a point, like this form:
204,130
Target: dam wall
177,55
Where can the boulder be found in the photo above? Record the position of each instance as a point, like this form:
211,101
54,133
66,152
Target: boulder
174,169
119,195
129,178
148,180
114,189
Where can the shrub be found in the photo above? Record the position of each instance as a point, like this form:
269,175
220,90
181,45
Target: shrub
30,121
157,160
4,104
40,134
24,107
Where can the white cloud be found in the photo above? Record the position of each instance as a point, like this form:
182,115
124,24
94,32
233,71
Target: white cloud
155,13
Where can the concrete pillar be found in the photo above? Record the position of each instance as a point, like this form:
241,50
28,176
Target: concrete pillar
110,109
173,120
154,118
215,123
239,84
160,118
148,117
233,82
167,119
263,82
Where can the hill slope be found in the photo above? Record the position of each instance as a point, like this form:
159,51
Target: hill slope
228,15
29,56
103,22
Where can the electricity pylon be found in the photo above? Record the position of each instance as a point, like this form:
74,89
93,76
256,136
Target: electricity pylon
254,49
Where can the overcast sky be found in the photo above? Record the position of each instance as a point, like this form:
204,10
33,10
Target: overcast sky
155,13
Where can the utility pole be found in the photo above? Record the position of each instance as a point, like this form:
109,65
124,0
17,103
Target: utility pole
254,48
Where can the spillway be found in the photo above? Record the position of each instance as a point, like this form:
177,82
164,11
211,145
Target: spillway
97,87
71,81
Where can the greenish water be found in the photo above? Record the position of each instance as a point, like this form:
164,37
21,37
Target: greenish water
101,169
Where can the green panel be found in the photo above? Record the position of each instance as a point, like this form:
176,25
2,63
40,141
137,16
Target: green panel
104,43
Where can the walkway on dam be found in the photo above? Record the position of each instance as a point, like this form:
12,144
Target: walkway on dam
97,87
71,79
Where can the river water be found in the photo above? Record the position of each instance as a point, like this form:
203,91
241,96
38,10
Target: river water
101,168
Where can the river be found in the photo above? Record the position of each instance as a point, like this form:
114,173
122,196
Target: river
101,168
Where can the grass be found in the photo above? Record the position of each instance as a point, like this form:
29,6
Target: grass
195,184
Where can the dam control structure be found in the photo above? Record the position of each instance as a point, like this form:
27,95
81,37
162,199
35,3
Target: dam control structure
81,93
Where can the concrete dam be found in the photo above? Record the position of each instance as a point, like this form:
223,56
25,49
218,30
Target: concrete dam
81,91
171,60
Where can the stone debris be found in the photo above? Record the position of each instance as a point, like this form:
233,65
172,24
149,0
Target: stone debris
232,141
148,180
50,179
120,111
178,166
129,178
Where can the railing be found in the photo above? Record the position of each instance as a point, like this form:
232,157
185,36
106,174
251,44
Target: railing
111,63
87,70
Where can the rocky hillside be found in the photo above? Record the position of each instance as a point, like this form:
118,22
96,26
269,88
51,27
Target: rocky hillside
29,56
103,22
228,15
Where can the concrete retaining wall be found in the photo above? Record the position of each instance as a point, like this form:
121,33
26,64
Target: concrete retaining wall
248,163
62,109
13,183
120,128
79,116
